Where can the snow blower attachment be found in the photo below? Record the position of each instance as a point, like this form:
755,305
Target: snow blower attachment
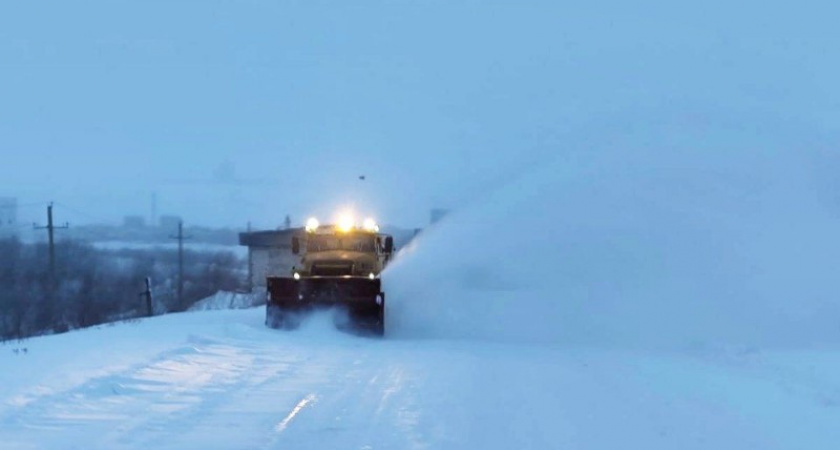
359,302
340,267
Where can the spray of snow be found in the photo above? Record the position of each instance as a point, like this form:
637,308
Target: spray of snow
320,326
684,234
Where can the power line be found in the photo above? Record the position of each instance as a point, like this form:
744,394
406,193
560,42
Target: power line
31,204
82,213
22,226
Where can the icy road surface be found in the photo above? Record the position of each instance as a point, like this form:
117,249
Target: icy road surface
220,380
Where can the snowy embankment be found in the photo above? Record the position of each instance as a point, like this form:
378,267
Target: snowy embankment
229,300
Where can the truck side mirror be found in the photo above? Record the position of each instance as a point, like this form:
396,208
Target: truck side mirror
295,245
389,244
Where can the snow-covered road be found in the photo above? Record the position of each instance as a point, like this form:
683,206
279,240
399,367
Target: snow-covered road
222,380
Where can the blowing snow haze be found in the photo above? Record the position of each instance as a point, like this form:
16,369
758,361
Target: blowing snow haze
236,111
684,235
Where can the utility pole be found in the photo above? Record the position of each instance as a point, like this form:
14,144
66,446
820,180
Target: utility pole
250,264
180,237
50,310
147,295
51,234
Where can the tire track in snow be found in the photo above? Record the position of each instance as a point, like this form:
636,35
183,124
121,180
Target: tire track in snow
351,400
138,406
298,408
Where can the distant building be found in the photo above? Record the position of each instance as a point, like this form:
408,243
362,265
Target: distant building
269,254
437,214
8,216
170,222
134,222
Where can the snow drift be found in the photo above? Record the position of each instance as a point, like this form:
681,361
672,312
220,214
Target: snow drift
689,232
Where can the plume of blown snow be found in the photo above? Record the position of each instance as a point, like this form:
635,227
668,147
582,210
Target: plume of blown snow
681,235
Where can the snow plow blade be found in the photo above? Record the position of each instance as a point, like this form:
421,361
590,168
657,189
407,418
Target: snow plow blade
359,302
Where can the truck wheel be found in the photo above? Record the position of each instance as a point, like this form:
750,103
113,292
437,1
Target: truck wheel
278,318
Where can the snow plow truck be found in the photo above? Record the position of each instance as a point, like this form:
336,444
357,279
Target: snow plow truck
339,268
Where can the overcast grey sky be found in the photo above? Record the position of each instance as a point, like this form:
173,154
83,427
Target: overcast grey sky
247,110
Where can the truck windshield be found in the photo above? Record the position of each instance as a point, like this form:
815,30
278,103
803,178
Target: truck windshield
317,243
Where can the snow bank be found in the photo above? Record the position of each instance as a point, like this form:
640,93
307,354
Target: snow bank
229,300
681,233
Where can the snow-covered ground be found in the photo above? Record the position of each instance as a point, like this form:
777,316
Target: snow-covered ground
237,250
221,380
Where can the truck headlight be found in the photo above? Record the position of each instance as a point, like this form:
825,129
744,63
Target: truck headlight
296,276
346,223
312,224
371,226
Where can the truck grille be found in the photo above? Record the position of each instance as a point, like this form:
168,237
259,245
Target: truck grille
332,268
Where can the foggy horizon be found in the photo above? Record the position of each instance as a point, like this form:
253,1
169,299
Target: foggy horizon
248,111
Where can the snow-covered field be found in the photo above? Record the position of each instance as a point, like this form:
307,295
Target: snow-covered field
237,250
221,380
